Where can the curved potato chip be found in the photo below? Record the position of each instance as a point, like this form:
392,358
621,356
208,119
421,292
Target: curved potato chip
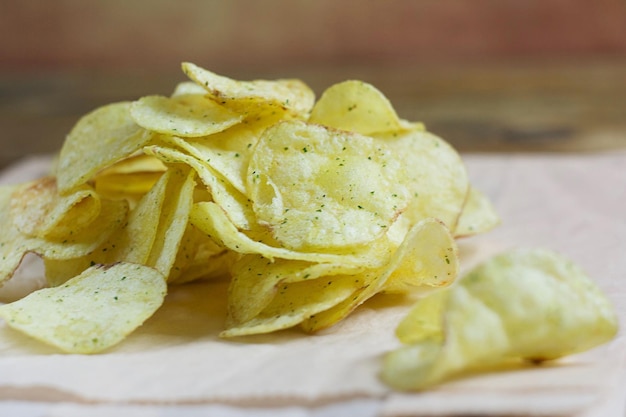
173,220
427,258
99,139
253,97
187,87
200,258
14,244
236,205
435,176
92,311
212,220
294,303
151,236
355,106
256,280
134,164
320,188
556,310
38,210
478,215
227,152
189,115
126,186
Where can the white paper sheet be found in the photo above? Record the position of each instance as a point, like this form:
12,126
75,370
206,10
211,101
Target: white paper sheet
175,363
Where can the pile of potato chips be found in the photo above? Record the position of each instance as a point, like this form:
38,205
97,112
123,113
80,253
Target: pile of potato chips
308,207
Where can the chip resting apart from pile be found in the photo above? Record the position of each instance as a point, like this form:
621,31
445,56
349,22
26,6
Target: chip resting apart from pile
531,305
306,208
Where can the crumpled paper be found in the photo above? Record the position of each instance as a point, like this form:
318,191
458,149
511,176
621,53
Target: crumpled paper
176,363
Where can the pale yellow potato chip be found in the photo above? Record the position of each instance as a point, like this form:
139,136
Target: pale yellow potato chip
98,140
325,189
173,220
125,186
235,204
525,304
14,244
130,243
427,258
190,115
212,220
38,210
93,311
151,235
256,281
478,215
290,98
137,163
200,258
434,174
355,106
227,153
188,87
294,303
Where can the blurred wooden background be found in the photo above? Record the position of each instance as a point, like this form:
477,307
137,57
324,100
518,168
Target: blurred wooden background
487,75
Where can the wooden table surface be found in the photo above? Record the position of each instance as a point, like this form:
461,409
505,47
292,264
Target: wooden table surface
525,107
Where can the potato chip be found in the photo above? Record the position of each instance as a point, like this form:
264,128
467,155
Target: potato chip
92,312
212,220
99,139
151,235
137,163
200,258
14,244
435,177
189,115
130,187
173,220
236,205
525,304
38,210
321,188
291,97
188,87
355,106
427,258
256,281
227,153
478,215
296,302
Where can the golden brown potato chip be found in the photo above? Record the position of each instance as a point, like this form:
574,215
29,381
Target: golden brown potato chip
91,312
